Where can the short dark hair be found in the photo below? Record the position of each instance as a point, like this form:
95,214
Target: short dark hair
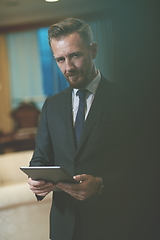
68,26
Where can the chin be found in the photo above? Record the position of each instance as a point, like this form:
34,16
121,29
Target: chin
76,84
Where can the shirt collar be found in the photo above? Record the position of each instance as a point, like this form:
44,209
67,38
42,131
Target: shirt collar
93,85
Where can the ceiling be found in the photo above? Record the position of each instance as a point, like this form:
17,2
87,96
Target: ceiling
22,12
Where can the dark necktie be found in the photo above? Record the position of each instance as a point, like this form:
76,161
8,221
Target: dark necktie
80,114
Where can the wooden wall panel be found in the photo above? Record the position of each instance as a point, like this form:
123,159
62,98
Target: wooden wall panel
5,106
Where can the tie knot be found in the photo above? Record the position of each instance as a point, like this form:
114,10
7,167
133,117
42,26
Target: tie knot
81,93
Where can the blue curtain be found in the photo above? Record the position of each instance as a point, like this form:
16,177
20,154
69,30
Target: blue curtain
53,79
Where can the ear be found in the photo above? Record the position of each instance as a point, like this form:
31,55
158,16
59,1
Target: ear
93,47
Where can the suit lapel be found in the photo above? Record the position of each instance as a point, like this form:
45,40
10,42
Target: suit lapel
101,100
66,109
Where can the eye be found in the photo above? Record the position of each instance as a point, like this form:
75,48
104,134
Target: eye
76,55
60,60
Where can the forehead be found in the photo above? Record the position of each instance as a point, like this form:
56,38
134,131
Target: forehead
67,44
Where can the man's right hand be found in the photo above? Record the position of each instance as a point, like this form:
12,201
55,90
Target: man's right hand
40,188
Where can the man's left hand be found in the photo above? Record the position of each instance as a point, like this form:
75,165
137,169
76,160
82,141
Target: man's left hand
88,186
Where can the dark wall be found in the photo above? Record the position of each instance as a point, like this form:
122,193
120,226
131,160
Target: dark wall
136,39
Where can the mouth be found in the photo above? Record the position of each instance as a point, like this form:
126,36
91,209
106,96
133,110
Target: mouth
72,74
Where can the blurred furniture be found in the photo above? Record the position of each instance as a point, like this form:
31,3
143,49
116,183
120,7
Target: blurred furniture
15,142
21,216
25,118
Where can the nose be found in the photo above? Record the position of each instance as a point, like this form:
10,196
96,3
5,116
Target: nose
69,65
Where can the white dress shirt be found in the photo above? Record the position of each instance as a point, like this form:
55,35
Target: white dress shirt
91,87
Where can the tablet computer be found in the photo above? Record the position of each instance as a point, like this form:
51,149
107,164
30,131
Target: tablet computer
53,174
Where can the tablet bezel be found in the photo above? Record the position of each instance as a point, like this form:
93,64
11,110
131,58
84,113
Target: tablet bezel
53,174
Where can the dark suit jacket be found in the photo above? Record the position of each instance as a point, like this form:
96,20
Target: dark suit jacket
103,151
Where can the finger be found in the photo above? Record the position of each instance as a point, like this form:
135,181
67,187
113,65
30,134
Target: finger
35,182
37,187
81,178
42,194
67,186
30,180
42,191
46,187
77,193
41,184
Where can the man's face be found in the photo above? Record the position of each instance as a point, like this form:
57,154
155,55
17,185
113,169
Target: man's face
75,59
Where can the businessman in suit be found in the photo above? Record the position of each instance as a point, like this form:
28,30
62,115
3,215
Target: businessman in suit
96,207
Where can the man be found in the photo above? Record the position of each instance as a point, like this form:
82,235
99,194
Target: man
96,208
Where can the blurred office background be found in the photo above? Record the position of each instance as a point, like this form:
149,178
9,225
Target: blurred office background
127,33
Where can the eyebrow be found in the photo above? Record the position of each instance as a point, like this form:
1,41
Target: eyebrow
69,55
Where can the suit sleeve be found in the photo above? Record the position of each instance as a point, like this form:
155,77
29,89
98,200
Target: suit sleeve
43,154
